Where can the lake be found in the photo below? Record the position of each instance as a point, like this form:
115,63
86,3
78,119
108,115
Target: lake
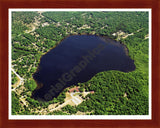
76,59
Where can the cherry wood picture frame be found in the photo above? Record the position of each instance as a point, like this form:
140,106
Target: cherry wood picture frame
5,5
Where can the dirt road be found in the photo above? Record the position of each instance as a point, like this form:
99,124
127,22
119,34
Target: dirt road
19,82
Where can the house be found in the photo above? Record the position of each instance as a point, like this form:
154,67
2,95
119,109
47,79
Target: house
74,89
91,92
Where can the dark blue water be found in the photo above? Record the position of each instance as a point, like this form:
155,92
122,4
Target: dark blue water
76,60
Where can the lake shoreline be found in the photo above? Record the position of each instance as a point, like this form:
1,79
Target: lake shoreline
104,38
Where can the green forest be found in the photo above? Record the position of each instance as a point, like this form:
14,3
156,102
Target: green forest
115,92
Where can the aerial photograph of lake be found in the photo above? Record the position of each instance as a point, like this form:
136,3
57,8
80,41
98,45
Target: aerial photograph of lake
80,63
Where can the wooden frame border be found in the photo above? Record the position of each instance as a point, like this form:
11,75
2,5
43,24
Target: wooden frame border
6,4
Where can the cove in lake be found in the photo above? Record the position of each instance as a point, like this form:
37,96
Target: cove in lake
76,60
